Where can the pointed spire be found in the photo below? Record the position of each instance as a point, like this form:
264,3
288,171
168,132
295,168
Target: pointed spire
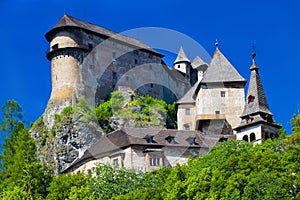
198,62
181,57
220,70
256,101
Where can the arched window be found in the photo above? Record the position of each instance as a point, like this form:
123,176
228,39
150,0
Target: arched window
267,136
245,138
252,137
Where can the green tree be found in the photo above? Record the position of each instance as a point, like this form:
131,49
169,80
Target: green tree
22,172
70,186
111,181
12,112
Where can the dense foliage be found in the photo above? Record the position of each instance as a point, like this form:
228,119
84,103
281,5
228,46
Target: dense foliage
232,170
143,110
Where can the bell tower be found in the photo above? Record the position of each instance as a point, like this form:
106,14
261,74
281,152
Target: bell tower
257,123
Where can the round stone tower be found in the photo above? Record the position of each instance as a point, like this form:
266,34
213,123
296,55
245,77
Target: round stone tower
66,53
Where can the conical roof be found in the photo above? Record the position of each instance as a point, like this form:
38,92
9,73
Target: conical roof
256,101
220,70
198,62
181,57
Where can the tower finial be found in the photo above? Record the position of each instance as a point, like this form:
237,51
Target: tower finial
217,43
253,53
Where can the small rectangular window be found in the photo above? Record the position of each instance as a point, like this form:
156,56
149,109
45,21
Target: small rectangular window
187,111
114,55
154,161
90,46
135,61
223,93
114,75
116,162
217,112
151,85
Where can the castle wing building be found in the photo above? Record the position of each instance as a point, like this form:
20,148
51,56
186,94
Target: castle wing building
145,149
214,104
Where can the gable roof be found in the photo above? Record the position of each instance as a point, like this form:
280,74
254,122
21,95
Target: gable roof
68,21
198,63
259,102
181,57
220,70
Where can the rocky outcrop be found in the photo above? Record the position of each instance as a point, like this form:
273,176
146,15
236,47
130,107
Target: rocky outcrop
63,134
72,133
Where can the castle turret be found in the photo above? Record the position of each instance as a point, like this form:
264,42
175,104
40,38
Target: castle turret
183,64
200,66
257,123
220,100
66,53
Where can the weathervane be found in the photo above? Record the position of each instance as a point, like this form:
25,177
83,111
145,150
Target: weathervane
253,53
217,43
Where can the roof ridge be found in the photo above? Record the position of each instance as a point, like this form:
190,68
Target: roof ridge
69,21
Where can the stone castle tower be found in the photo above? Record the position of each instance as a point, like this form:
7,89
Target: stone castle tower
256,120
213,104
88,62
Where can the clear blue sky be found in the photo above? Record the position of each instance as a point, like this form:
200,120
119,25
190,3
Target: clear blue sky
273,26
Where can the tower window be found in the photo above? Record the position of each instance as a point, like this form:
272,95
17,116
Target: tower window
90,46
114,75
54,47
252,137
251,98
187,111
223,93
245,138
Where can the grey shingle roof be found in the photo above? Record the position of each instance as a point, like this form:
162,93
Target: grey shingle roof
68,21
255,89
198,62
122,138
190,96
220,70
181,57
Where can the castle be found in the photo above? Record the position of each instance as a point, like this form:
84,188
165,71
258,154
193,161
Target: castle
88,62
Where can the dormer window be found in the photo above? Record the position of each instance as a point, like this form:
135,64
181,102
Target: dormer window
193,141
171,139
178,66
150,139
187,127
251,98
